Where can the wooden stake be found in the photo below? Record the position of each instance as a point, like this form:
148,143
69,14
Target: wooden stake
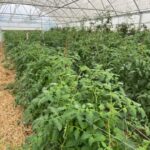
1,46
66,49
27,36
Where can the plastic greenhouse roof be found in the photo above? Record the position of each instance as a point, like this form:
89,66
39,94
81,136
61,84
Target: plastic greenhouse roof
64,12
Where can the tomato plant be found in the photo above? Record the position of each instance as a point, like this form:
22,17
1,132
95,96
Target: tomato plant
84,90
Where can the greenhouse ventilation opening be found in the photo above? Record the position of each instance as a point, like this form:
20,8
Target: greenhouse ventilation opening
44,14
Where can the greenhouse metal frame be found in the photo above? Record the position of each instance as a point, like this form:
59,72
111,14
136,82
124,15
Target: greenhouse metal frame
73,12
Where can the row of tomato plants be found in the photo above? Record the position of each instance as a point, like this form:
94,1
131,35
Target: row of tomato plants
71,98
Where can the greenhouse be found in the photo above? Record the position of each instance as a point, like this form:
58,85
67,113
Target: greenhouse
62,13
74,75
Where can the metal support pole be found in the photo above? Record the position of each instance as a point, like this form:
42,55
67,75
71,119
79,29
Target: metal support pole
140,19
140,14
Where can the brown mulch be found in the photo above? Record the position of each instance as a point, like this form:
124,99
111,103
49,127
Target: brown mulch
12,130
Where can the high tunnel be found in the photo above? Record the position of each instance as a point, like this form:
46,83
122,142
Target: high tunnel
61,13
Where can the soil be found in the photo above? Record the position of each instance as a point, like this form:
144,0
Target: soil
12,130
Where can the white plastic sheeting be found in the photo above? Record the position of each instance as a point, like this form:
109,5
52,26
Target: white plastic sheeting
74,12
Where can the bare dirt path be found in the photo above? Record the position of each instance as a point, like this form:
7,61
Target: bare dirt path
12,131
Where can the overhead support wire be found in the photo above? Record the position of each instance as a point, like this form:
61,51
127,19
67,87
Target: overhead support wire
56,3
126,14
36,16
64,12
59,7
56,19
